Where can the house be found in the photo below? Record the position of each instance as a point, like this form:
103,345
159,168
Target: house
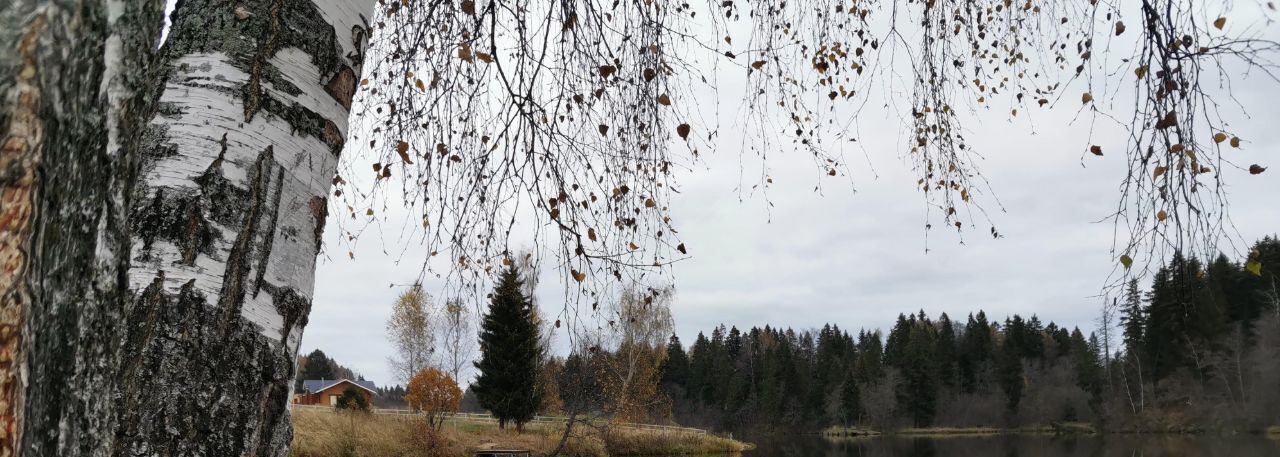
326,392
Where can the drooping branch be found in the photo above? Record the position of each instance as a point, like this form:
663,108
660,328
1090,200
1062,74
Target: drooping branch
563,124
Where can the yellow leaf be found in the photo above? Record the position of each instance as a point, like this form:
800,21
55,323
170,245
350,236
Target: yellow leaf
591,233
421,86
486,58
1254,266
1126,261
649,203
1159,171
578,276
1219,137
1162,215
632,246
1235,142
1086,98
1220,23
664,100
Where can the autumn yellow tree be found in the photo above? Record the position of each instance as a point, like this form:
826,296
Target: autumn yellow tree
630,353
409,329
434,393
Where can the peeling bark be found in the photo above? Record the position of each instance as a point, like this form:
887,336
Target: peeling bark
69,99
227,220
19,157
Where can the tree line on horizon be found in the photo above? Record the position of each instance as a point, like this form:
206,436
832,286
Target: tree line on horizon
1200,348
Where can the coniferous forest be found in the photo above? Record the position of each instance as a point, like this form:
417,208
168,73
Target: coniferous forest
1197,348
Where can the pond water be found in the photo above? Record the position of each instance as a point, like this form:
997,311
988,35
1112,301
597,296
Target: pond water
1017,446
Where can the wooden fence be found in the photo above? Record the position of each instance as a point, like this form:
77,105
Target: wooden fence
539,420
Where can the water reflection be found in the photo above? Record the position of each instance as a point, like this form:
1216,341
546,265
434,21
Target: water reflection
1017,446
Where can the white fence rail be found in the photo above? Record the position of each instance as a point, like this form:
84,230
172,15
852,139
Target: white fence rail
486,418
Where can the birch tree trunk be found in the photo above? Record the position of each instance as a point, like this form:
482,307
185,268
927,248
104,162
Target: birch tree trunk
69,108
227,219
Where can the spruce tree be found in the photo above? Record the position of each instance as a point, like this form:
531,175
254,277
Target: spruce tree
317,366
509,355
675,369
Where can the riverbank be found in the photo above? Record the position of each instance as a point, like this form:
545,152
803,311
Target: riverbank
321,433
1067,428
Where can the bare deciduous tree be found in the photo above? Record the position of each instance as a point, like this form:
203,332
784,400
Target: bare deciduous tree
457,337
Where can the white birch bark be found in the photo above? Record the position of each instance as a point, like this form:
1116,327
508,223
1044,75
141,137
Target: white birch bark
227,217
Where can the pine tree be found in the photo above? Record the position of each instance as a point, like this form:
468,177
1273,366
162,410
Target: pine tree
509,355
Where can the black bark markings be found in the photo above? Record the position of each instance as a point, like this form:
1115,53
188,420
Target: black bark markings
267,49
269,234
197,389
320,211
208,382
231,297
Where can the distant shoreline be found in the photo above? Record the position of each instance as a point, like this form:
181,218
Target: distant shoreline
1072,428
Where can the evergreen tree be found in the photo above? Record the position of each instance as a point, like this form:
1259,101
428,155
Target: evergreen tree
946,352
918,392
850,401
1088,368
700,370
675,369
977,351
1166,332
509,355
870,363
1133,319
317,366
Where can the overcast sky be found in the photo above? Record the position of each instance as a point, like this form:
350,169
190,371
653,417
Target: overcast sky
857,254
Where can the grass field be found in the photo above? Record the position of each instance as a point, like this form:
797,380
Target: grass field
319,433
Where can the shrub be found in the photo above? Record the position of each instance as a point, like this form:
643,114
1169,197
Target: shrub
352,399
435,393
